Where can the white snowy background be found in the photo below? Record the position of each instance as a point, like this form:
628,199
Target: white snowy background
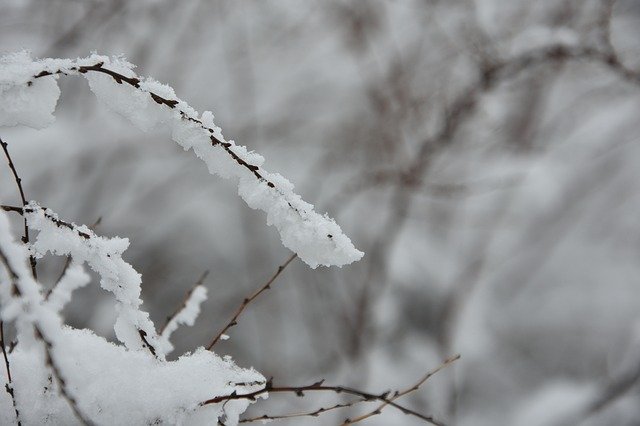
516,245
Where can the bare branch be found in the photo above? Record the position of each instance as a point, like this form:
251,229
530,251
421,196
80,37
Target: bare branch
18,180
320,387
9,385
413,388
315,413
248,300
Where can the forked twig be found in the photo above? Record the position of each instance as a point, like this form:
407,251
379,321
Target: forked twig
320,387
397,395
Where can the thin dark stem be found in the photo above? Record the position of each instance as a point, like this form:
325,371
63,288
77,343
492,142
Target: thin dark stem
18,180
320,387
407,391
9,386
248,300
316,413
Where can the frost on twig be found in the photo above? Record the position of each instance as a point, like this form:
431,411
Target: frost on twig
186,315
29,92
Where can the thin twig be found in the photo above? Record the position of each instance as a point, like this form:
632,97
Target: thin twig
18,180
320,387
316,413
248,300
397,395
9,385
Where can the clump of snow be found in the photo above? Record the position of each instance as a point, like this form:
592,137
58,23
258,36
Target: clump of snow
22,101
116,386
135,105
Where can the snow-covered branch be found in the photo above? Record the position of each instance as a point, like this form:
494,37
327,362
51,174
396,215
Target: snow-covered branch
29,93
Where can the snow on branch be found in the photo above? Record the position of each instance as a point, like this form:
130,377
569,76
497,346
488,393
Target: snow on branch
98,382
29,93
104,256
186,313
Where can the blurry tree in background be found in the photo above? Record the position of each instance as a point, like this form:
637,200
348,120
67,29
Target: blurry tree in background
484,154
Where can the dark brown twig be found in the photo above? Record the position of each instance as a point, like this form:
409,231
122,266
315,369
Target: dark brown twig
407,391
9,385
378,410
18,180
248,300
316,413
320,387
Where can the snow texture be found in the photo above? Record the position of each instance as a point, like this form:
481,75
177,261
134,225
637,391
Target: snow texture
103,255
111,384
73,278
317,239
63,375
